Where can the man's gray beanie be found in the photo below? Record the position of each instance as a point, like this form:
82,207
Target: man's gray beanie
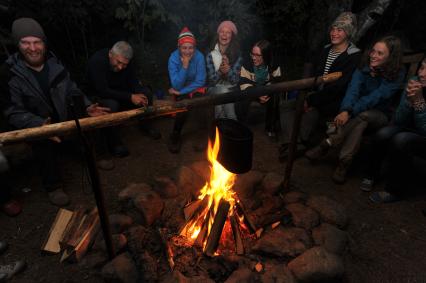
24,27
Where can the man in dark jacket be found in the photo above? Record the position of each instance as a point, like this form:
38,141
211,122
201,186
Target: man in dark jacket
113,82
341,55
36,90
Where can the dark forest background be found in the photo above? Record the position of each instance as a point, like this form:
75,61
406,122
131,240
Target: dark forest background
297,28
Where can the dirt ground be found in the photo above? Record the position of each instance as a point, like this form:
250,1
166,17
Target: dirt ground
387,242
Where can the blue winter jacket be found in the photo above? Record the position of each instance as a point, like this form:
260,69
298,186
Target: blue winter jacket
187,80
367,92
406,116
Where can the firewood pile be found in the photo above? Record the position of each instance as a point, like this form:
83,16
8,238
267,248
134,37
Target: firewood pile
294,237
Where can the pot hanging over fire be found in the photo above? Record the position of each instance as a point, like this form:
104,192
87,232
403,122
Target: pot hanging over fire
236,145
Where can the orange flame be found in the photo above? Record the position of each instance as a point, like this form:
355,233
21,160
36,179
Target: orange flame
218,187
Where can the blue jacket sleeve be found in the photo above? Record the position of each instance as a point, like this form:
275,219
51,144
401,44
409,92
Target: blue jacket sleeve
212,75
177,73
404,112
353,91
200,75
385,91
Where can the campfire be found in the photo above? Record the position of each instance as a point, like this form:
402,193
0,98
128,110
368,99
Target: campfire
217,207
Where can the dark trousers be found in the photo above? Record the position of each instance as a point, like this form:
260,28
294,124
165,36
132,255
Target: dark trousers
404,154
180,118
4,189
46,153
111,135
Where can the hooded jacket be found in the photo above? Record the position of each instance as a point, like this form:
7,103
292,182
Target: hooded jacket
22,101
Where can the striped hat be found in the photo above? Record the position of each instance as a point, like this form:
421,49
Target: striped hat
186,36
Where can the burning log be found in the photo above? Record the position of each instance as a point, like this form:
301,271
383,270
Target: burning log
217,227
239,246
69,127
246,217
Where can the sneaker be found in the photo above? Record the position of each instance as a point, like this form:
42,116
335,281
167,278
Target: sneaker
339,175
383,197
366,185
58,197
7,271
317,152
300,150
105,164
11,208
174,143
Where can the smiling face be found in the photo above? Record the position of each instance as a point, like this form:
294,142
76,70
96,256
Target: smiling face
225,36
338,36
378,55
256,56
117,61
422,73
187,49
33,49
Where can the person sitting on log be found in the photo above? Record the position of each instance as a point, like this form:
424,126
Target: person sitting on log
224,65
258,71
402,145
367,103
37,90
112,81
340,55
187,74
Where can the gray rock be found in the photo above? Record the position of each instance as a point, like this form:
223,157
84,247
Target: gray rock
331,238
150,205
202,168
166,187
119,241
294,196
283,241
330,211
316,265
132,190
94,260
177,277
121,269
247,182
119,223
277,273
189,182
243,275
303,216
272,182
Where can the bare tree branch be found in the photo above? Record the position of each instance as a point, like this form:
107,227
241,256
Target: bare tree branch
369,16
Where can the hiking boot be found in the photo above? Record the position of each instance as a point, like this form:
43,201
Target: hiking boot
339,175
105,164
174,143
317,152
7,271
11,208
366,184
58,197
300,150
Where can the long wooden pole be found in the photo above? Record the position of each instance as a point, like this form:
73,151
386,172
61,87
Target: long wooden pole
90,123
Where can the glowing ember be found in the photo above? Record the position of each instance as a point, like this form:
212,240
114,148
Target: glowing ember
218,188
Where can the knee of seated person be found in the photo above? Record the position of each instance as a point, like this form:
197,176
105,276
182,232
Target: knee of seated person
401,141
385,133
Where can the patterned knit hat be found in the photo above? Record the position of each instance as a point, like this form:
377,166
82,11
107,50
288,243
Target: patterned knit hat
347,22
24,27
228,24
186,36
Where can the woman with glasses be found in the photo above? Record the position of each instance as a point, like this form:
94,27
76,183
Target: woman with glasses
258,71
223,65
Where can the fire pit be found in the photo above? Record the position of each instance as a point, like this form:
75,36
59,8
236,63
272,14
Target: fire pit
213,225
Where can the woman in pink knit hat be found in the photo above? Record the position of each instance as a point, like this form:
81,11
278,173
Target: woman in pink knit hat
224,65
